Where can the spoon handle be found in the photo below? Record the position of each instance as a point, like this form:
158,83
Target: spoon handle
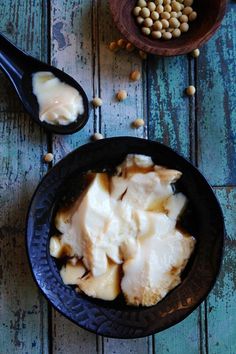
12,60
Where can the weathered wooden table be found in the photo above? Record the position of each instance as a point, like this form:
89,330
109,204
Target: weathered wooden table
73,35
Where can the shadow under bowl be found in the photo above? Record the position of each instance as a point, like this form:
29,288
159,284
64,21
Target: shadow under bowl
115,319
210,14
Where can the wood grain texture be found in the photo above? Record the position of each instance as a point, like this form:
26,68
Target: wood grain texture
69,338
72,50
22,22
109,119
169,112
187,333
134,346
170,122
80,31
23,310
114,72
221,302
216,107
116,118
216,129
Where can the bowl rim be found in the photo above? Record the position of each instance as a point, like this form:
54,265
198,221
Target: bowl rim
187,48
221,232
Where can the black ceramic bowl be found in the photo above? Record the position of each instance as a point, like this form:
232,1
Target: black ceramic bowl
116,319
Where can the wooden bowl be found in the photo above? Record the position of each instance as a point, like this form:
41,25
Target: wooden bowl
210,15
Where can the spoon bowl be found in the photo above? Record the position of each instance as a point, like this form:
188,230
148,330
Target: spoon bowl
19,68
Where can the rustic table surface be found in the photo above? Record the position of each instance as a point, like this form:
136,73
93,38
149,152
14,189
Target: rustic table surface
73,35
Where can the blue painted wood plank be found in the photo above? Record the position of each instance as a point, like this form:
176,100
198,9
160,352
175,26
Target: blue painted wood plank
116,119
82,44
216,123
186,333
170,122
167,79
72,50
28,34
216,104
169,112
69,338
131,346
114,75
23,311
221,302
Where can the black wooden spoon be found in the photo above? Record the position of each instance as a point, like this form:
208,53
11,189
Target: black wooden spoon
19,67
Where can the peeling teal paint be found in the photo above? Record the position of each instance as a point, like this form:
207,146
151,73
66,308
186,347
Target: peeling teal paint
170,117
216,112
